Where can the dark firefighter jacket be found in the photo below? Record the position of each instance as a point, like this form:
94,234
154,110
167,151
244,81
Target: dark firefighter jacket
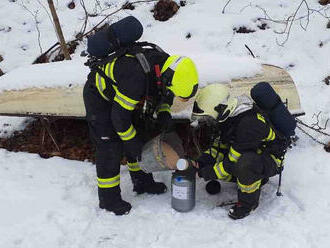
129,86
246,132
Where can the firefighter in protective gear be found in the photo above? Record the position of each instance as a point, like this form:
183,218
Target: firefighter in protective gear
245,147
109,111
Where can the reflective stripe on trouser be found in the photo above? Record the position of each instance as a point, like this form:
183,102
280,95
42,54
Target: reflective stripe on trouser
133,166
249,188
128,134
233,155
250,169
108,182
221,173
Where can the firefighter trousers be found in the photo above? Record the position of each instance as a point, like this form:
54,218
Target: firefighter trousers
109,147
250,170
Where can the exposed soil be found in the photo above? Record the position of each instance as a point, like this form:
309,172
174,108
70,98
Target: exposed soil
73,141
71,137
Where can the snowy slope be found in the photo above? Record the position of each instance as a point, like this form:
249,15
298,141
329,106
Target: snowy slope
53,202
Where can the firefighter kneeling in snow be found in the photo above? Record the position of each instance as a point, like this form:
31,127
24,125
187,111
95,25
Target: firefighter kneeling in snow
246,150
109,111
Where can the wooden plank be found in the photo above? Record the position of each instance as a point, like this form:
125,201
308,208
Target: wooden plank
68,101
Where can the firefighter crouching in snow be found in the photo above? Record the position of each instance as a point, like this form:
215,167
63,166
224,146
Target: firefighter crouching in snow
109,110
247,149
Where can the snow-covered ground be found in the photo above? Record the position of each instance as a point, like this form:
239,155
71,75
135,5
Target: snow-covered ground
53,202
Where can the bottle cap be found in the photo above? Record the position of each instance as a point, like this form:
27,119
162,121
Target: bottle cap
182,164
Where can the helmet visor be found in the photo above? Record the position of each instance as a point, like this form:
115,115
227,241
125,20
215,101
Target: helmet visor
223,111
197,110
199,115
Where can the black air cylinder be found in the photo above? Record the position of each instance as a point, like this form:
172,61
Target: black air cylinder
119,34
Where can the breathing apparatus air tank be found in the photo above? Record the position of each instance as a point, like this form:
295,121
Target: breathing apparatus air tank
183,190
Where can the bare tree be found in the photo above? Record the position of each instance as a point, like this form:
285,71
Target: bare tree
58,29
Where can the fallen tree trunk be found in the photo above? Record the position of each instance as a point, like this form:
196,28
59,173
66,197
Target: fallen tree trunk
68,101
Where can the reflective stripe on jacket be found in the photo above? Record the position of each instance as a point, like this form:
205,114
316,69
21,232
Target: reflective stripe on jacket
125,90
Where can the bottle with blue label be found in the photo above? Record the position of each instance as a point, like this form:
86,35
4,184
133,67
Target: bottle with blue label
183,188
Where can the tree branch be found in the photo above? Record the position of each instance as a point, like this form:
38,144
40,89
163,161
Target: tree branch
288,22
35,17
224,7
79,38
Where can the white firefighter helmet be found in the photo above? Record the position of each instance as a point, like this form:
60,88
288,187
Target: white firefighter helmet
214,101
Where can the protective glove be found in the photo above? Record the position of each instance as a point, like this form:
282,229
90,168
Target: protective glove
205,160
207,173
133,148
165,121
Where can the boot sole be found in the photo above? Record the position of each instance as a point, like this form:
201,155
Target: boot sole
241,217
118,213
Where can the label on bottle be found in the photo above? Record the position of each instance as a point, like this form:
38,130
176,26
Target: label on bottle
180,193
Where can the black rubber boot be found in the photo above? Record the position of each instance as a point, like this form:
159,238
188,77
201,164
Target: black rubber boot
264,181
239,211
144,183
247,202
110,200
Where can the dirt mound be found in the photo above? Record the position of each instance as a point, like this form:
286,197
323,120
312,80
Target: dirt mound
165,9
